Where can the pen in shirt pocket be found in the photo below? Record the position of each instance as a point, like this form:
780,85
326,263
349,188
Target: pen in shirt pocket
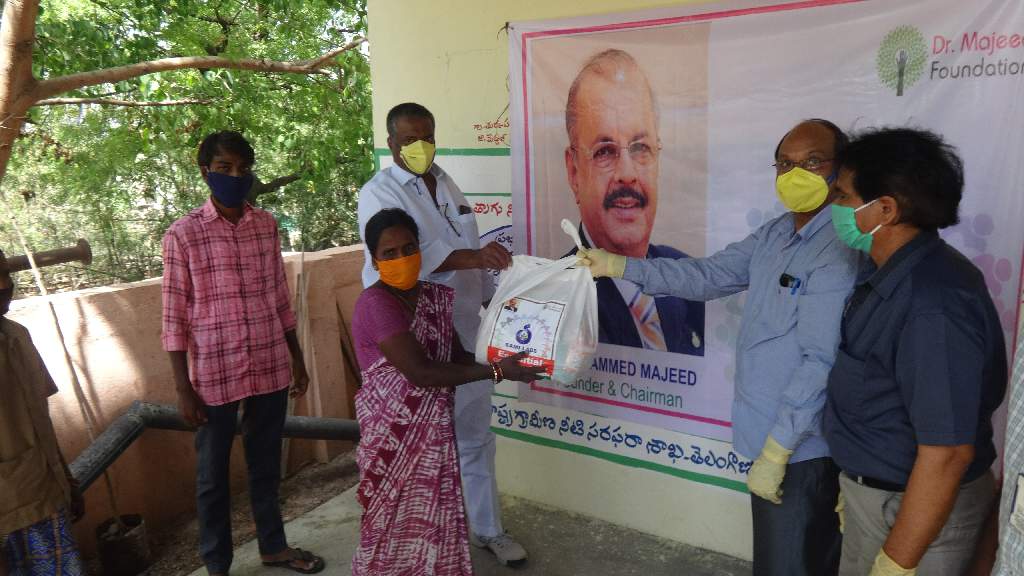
791,282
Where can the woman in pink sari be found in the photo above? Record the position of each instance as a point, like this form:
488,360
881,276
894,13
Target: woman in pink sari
411,359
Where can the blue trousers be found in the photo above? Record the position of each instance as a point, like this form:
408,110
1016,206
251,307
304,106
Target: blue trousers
262,424
799,537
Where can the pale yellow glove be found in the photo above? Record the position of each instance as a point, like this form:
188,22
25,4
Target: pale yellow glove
765,476
885,566
841,511
602,263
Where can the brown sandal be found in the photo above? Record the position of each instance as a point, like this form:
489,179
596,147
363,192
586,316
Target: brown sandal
300,555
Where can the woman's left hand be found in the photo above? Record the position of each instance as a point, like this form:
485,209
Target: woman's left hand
512,369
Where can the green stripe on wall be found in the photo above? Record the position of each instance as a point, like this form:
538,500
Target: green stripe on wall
623,460
457,152
379,152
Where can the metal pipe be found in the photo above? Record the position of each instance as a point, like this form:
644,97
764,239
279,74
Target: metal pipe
91,463
321,428
80,252
109,445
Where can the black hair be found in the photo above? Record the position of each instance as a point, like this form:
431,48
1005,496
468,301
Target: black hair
917,168
381,221
406,110
841,140
225,141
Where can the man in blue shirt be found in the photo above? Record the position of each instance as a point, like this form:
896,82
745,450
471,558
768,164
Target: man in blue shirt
798,277
920,369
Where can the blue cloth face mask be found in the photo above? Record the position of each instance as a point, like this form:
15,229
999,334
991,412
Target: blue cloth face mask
230,191
844,220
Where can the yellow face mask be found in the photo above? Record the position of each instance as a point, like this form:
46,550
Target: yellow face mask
401,273
800,190
418,156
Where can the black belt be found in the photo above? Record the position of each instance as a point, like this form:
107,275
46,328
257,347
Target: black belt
878,484
890,487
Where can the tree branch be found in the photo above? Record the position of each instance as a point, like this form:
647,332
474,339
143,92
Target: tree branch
259,187
219,20
17,36
321,61
119,102
225,28
103,95
53,86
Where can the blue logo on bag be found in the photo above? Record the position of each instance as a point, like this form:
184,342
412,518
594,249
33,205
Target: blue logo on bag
524,336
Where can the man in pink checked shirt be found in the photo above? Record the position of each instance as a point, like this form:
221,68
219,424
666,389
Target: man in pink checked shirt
229,329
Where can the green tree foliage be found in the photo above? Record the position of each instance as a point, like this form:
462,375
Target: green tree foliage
119,175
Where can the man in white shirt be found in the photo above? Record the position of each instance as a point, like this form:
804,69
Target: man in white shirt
452,256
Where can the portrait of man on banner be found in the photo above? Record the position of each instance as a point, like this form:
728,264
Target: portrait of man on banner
612,163
627,162
618,132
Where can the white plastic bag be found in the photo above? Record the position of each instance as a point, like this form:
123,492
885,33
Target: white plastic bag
546,308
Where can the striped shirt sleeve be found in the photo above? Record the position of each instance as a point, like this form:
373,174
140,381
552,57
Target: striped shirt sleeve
176,292
283,296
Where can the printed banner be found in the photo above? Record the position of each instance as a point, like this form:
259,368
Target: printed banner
695,459
714,89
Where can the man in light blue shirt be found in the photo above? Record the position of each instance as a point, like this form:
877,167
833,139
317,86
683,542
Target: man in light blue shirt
798,276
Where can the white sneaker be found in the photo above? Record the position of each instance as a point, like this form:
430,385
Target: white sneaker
506,550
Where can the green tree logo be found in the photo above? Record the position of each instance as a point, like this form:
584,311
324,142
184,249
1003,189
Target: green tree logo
901,58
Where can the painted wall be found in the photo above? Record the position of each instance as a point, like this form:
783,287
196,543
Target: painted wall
113,335
452,56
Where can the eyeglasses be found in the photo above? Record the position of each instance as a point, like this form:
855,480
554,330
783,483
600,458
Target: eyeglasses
811,165
443,209
606,154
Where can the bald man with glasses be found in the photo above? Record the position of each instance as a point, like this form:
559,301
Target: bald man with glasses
798,277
